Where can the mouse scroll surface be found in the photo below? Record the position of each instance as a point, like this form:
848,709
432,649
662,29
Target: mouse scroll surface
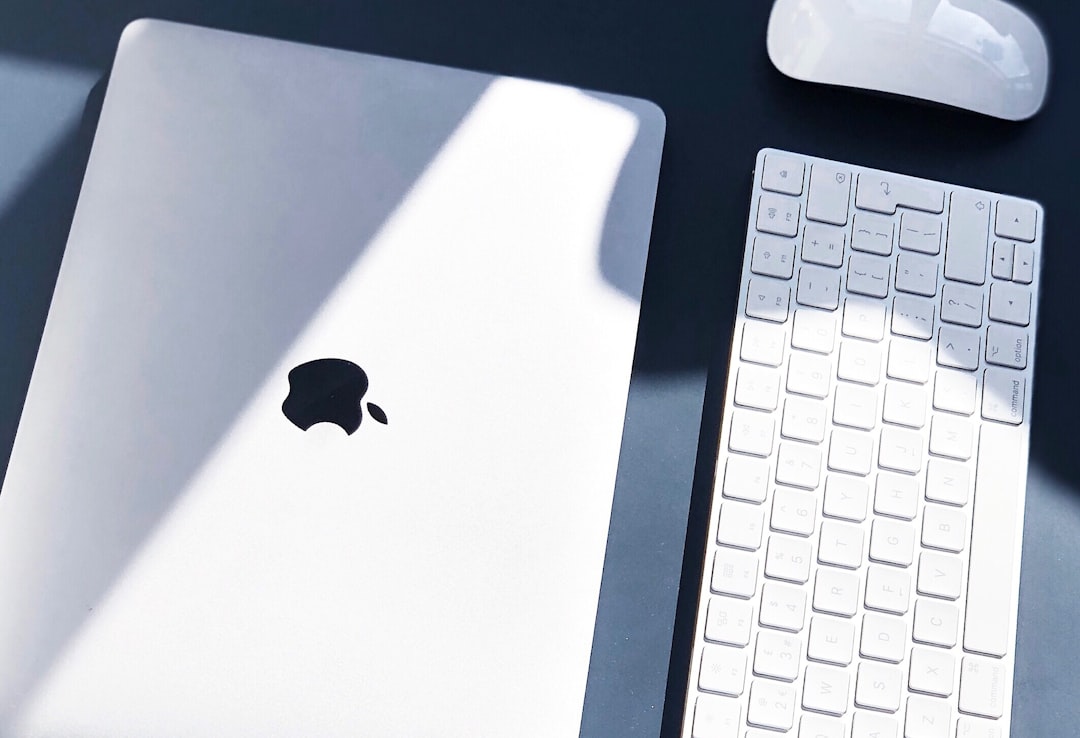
986,56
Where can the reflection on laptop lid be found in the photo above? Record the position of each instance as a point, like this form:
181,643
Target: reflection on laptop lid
436,273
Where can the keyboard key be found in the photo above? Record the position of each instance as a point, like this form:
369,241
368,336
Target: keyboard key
883,192
927,718
1010,304
970,727
1002,262
878,687
1015,219
778,214
913,317
952,437
772,705
825,690
840,545
917,275
870,725
958,348
999,480
900,450
966,239
831,640
851,451
982,686
814,331
782,174
909,360
782,607
773,257
793,512
896,495
762,343
728,621
798,465
905,404
716,717
809,374
884,638
872,233
888,589
823,245
818,287
864,318
723,670
836,592
868,275
1003,396
892,542
961,305
919,232
940,575
931,672
948,482
845,498
734,573
944,528
830,190
757,387
777,656
935,623
751,432
1023,264
804,419
788,558
746,479
740,525
760,734
768,299
954,392
1007,346
816,726
855,406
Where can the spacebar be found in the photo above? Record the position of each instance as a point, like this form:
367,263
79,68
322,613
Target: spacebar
995,527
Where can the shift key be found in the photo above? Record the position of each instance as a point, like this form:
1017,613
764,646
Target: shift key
966,242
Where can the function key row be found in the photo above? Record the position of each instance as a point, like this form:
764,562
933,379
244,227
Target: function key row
884,193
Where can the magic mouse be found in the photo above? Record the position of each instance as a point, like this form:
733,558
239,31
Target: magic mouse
983,55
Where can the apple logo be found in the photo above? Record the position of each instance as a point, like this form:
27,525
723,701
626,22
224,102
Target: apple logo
329,391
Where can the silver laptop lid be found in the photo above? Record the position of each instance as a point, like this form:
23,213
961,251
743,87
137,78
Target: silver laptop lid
177,557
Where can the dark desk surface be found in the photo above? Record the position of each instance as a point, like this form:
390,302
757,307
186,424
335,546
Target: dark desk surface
705,64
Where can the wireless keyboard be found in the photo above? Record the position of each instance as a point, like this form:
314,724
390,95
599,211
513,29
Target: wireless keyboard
863,560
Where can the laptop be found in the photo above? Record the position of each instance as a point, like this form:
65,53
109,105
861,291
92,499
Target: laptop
322,434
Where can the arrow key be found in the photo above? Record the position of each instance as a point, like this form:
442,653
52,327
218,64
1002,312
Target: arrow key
1010,304
1015,219
1002,267
1023,264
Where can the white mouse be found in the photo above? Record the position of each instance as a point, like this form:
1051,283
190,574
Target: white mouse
983,55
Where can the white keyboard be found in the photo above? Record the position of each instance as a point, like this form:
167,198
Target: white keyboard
863,562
